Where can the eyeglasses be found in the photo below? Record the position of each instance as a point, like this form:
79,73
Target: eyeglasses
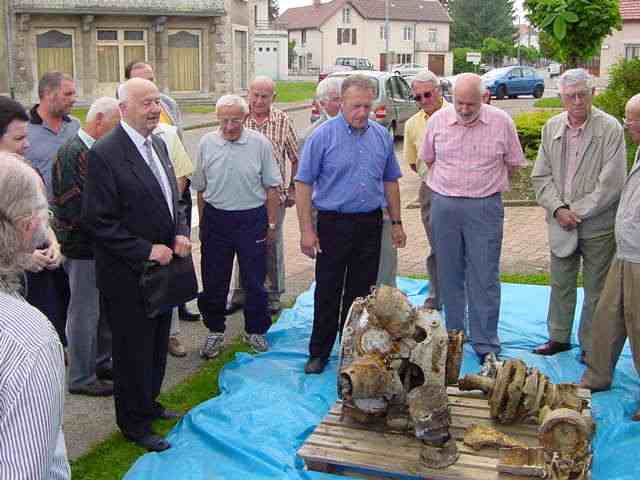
236,122
583,94
420,96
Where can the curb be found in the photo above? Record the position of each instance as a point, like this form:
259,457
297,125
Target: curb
196,126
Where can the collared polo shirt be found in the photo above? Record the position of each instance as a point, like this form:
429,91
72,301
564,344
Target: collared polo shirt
414,130
87,139
471,161
44,143
347,167
235,175
138,140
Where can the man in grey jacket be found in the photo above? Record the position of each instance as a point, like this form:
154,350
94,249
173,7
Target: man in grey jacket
578,177
617,315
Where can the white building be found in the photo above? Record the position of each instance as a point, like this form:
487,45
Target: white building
270,44
418,33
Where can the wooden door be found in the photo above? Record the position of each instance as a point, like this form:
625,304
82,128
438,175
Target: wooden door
436,64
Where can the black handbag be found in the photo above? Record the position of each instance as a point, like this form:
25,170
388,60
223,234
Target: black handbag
168,286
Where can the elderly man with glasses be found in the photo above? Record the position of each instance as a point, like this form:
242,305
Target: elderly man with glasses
426,91
578,176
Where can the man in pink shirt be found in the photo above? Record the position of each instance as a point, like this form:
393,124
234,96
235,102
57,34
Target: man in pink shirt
471,149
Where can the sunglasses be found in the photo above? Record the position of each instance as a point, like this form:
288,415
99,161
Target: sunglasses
420,96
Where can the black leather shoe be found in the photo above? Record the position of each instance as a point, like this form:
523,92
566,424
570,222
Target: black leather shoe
99,388
232,308
169,415
105,374
151,442
583,357
551,348
187,316
315,365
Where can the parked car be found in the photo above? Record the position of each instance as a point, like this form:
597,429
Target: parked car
513,81
393,104
554,69
357,63
407,68
331,69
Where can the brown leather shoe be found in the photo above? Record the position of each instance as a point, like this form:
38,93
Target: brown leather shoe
551,348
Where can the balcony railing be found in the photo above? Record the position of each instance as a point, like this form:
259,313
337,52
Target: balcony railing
268,25
431,47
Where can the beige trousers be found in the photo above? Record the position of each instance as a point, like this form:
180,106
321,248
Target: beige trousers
617,317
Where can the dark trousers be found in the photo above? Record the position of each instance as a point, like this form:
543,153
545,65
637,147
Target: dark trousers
225,233
140,347
347,268
48,291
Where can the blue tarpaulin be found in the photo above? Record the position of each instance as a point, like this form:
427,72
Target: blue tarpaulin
268,406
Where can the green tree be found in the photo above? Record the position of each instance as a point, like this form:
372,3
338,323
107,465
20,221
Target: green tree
292,53
548,46
494,50
475,20
577,27
460,64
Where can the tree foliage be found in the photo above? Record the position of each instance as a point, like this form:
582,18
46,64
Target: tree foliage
460,64
494,50
475,20
548,47
575,27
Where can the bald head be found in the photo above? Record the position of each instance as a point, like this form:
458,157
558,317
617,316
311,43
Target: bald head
140,105
467,97
632,118
261,95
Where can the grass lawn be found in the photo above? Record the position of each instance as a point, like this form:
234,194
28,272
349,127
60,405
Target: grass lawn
549,102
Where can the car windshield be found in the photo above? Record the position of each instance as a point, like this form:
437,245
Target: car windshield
495,73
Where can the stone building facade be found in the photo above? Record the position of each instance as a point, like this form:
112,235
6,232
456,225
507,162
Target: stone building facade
200,49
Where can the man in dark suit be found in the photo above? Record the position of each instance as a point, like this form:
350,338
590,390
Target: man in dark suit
131,207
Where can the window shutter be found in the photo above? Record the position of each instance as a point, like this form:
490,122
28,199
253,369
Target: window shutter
353,36
339,36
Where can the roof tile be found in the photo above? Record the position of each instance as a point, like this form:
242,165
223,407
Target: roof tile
630,9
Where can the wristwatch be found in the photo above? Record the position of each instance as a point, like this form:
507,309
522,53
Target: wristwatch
396,222
272,226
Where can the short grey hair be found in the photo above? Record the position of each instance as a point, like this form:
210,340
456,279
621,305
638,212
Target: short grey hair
358,81
104,105
21,195
263,79
232,101
328,85
51,81
426,76
573,77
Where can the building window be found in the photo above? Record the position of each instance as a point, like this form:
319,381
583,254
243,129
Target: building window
404,58
303,37
346,35
407,32
116,49
383,32
632,51
184,61
55,52
432,35
346,15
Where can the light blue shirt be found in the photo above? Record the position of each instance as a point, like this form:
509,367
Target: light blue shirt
347,167
138,140
235,175
87,139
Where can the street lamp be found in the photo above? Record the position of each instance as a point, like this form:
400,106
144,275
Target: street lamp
386,35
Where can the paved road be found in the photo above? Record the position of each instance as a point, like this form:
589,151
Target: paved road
525,250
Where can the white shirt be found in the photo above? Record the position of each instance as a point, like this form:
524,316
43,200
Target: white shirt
139,141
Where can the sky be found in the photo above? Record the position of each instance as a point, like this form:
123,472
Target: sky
284,4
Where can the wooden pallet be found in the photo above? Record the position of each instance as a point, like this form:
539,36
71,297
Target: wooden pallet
344,447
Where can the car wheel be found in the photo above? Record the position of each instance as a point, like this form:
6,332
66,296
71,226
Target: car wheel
501,92
538,91
392,130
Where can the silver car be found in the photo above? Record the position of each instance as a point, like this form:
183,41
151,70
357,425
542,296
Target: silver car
393,104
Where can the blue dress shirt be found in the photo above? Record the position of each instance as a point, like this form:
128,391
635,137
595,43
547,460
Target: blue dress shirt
347,167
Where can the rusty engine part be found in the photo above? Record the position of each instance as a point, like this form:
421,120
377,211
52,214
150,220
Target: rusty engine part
481,436
395,363
518,393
